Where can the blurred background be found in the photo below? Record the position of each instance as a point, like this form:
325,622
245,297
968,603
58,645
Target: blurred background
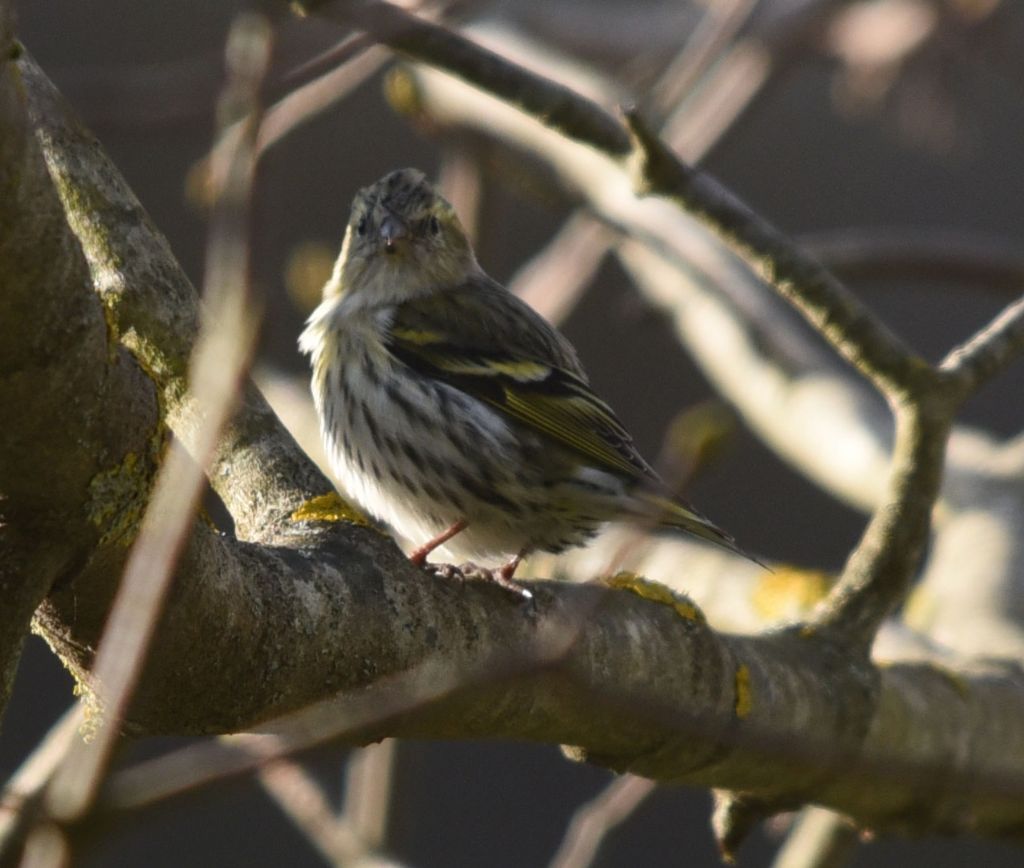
877,115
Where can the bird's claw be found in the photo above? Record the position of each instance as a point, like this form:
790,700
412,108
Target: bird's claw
474,572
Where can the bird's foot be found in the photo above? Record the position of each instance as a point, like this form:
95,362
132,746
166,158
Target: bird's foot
444,571
474,572
500,577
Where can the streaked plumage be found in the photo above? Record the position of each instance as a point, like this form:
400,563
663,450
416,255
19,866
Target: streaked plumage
444,398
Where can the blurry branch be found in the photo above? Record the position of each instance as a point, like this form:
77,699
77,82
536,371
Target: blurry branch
971,597
356,836
819,839
592,822
339,839
356,62
461,182
304,802
368,785
554,280
704,46
24,790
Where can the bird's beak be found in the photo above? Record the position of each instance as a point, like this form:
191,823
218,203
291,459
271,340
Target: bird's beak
391,229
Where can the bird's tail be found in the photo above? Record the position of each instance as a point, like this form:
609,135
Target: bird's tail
671,513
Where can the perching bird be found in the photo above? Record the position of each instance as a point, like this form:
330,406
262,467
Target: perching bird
453,411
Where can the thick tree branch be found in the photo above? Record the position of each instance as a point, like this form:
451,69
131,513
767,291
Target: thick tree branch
218,366
75,452
152,309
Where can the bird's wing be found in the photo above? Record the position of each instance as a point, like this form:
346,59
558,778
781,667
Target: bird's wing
499,351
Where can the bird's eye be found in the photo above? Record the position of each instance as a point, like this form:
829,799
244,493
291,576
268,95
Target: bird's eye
361,226
435,226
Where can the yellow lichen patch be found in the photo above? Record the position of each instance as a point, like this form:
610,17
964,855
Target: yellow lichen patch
117,499
656,592
789,592
401,92
92,712
113,330
744,702
329,507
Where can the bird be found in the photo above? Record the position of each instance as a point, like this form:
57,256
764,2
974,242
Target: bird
454,412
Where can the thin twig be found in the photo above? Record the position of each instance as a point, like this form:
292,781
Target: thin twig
219,363
368,783
990,350
717,27
819,839
23,791
360,61
593,821
461,181
46,847
304,802
554,280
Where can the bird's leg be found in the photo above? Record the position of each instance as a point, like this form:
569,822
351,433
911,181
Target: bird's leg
503,576
507,571
419,556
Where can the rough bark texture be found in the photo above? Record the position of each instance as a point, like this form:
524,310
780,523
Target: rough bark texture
81,430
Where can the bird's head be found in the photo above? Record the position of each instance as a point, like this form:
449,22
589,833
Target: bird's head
402,238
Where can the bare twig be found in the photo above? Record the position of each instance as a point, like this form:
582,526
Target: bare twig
717,28
819,839
990,350
46,847
303,800
368,783
554,280
593,821
461,181
357,61
22,794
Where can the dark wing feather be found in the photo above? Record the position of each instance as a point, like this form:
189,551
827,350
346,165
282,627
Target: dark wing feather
525,369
